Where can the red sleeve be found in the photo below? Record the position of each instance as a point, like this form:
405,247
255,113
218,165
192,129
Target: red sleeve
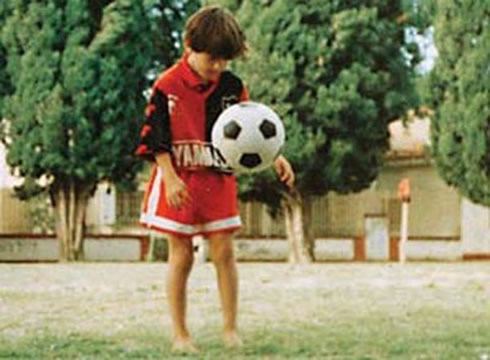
244,95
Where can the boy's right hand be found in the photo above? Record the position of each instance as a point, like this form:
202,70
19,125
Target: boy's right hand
176,192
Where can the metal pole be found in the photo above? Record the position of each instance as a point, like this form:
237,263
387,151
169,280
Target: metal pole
404,232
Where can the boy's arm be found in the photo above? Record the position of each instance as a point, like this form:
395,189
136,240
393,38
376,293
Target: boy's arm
156,145
285,171
176,192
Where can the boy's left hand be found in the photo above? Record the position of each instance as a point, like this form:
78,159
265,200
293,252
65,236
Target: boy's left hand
284,171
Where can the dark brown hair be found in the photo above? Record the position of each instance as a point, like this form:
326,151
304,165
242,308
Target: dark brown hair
215,31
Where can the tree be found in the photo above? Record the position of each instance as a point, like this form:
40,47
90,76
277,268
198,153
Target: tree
418,14
77,71
458,91
337,73
231,5
4,80
5,84
167,21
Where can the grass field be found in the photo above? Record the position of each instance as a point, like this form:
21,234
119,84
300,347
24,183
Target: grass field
323,311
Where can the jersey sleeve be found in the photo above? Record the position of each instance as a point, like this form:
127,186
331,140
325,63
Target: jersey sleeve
155,135
244,96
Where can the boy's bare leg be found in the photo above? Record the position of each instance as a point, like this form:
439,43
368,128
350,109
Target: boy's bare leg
179,267
221,252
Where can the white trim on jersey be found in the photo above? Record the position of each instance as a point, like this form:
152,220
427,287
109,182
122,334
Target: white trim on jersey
171,225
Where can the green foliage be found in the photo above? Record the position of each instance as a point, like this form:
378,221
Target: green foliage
419,13
232,5
77,70
167,24
459,91
337,74
41,215
5,83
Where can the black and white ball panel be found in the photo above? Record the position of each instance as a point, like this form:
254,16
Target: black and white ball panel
249,135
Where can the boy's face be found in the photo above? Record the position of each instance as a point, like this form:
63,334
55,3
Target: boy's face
206,66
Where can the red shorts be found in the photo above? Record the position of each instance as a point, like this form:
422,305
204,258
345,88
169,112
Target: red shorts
214,206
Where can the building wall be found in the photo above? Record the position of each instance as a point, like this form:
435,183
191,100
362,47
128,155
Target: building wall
96,248
14,214
6,178
101,210
475,228
434,209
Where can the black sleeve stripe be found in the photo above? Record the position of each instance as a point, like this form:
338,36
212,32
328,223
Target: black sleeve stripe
156,135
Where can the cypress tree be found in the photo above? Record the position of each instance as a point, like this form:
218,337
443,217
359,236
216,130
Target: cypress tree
168,18
77,71
458,90
337,73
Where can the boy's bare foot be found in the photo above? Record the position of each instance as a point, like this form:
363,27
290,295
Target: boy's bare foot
184,345
232,340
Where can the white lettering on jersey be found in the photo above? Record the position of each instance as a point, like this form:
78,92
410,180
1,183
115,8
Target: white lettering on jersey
178,153
193,155
219,160
202,155
209,156
187,157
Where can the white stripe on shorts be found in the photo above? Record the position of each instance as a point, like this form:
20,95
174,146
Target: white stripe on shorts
171,225
155,193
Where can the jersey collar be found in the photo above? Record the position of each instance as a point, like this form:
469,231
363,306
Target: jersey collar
192,79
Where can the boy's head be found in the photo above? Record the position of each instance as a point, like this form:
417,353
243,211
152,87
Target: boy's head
215,31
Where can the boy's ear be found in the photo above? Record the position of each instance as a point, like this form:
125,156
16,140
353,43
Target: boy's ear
187,47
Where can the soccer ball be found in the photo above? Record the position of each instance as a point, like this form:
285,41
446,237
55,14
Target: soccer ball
249,135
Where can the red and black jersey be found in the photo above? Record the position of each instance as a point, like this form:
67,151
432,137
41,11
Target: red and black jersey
181,113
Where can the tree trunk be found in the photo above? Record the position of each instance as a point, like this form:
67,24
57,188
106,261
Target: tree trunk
297,211
70,199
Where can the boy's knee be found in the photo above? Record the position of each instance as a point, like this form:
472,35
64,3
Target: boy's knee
182,255
222,252
182,259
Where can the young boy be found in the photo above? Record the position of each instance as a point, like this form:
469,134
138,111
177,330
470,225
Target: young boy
188,194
